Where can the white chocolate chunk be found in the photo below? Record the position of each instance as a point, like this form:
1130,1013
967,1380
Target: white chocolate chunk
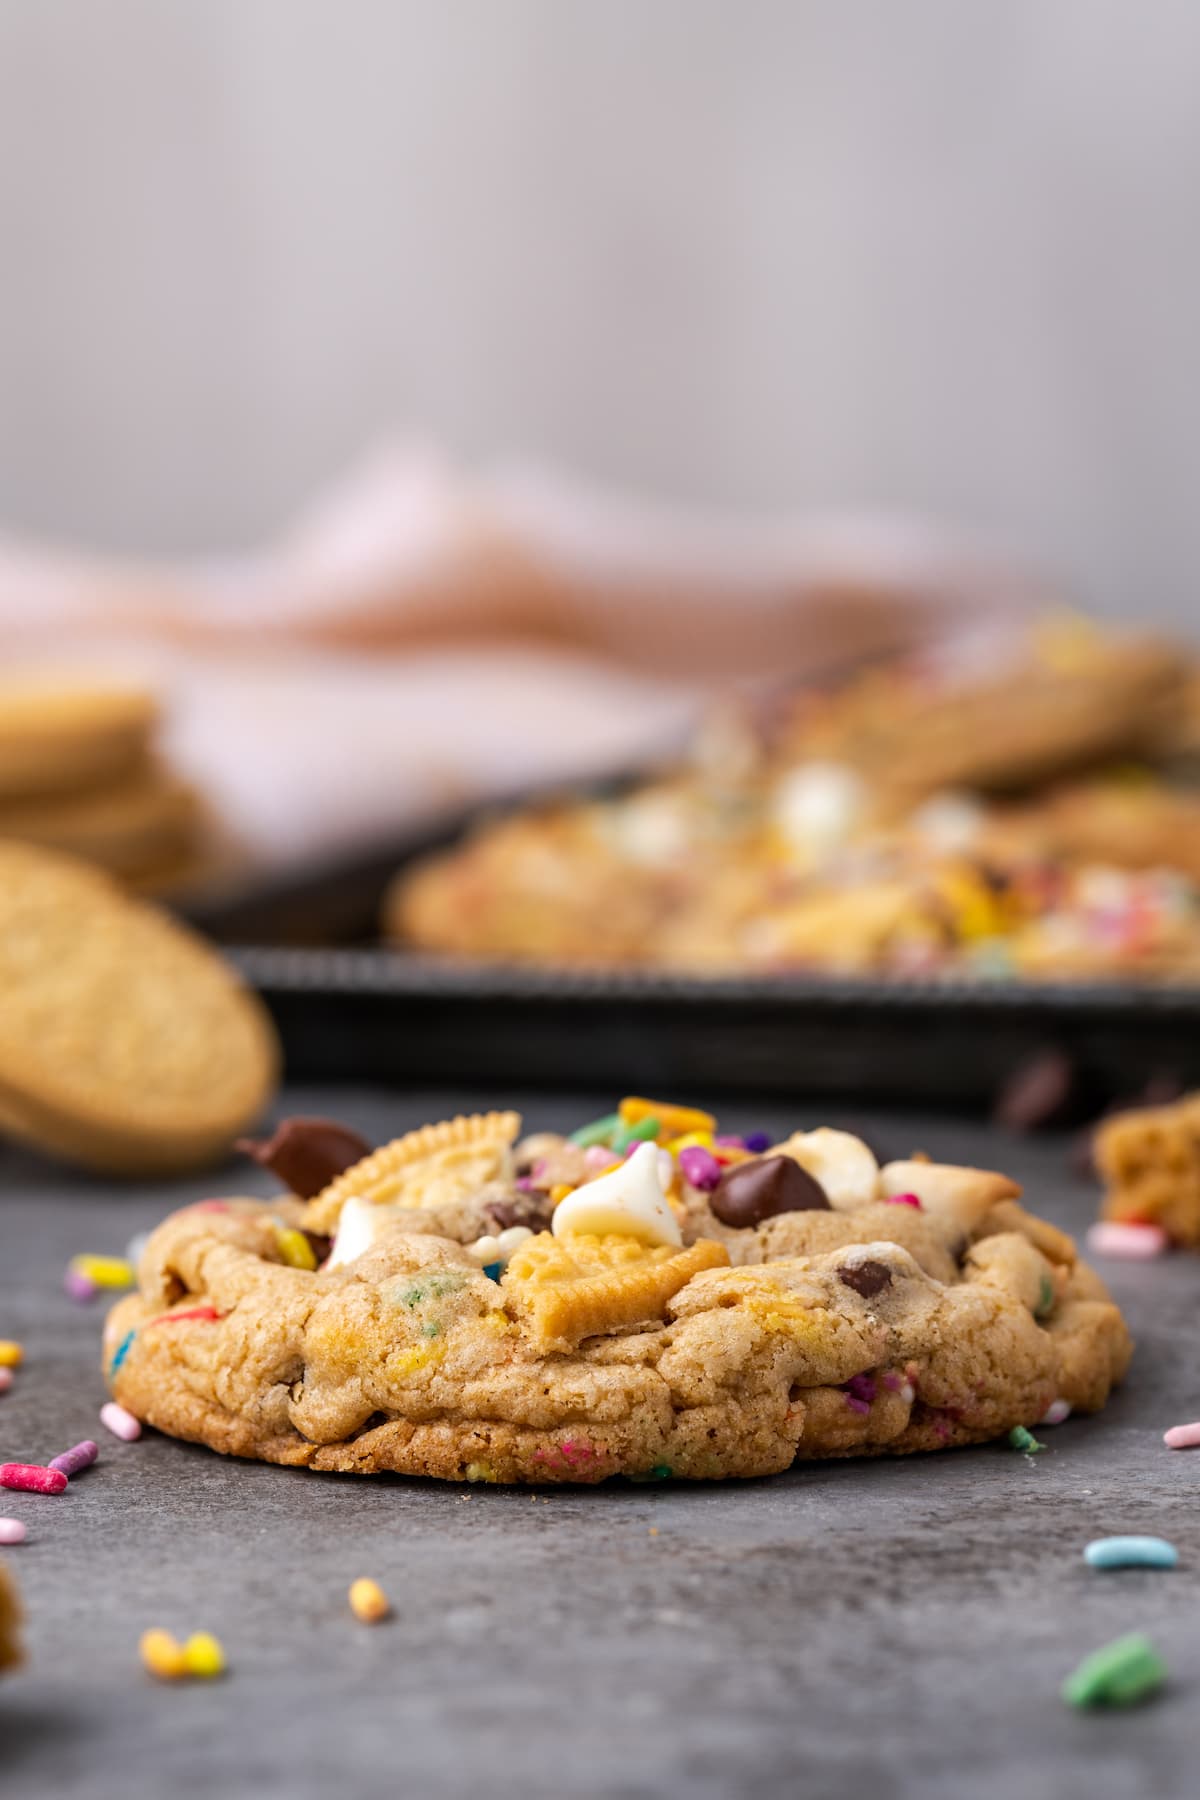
360,1227
841,1163
629,1201
498,1247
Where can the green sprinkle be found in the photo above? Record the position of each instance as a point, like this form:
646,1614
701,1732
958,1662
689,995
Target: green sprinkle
1045,1301
600,1131
644,1132
1122,1673
1020,1439
662,1471
435,1288
433,1329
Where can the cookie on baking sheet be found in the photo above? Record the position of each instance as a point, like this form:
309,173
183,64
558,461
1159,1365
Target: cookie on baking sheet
1149,1159
10,1622
56,736
126,1043
145,821
653,1300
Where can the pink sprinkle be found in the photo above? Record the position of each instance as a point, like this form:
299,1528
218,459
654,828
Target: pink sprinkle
1056,1413
121,1423
79,1286
700,1168
12,1531
857,1405
597,1157
1130,1243
192,1312
31,1478
728,1141
1182,1437
903,1200
211,1206
577,1450
524,1184
6,1380
891,1381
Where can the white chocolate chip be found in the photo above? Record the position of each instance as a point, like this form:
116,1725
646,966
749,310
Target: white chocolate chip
629,1200
498,1247
841,1163
360,1227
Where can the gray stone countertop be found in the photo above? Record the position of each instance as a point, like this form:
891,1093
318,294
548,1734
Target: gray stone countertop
886,1628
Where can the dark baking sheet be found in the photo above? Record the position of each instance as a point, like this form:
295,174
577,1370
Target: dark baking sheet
380,1015
350,1010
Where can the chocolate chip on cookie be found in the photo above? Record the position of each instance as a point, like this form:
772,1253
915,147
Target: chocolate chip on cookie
750,1192
307,1154
866,1278
531,1210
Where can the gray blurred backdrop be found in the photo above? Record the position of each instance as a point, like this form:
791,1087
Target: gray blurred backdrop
942,254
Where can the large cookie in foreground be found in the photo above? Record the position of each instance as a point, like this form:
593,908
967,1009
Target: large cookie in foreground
908,1308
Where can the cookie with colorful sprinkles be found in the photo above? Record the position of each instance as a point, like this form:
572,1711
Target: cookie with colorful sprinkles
644,1296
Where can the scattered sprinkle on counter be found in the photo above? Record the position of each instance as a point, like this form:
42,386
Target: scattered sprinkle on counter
11,1354
12,1531
1130,1553
1020,1439
79,1456
104,1271
120,1422
1126,1242
162,1656
32,1478
6,1380
1183,1437
368,1601
1121,1674
79,1287
203,1656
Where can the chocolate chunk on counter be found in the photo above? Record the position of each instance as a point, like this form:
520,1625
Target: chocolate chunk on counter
866,1278
750,1192
307,1154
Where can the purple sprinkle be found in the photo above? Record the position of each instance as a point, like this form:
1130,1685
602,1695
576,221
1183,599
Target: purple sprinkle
730,1143
892,1382
79,1286
700,1167
757,1141
80,1456
525,1183
862,1387
857,1405
538,1169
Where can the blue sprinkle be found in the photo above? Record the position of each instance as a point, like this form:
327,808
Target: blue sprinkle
122,1352
1131,1552
492,1270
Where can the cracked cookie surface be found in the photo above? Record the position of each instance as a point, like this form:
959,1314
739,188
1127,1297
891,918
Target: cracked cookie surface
906,1308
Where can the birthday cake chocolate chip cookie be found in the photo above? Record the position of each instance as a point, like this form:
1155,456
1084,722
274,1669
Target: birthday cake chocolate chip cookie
645,1297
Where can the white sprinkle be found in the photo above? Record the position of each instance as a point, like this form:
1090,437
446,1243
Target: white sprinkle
1056,1412
120,1422
1132,1243
12,1531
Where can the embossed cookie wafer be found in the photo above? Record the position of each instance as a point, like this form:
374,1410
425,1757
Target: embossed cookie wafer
424,1168
125,1042
10,1622
883,1322
132,826
58,736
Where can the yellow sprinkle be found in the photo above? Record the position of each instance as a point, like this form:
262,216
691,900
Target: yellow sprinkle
105,1271
368,1601
294,1248
653,1531
691,1140
480,1471
407,1362
560,1191
672,1120
497,1322
203,1655
161,1656
10,1354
